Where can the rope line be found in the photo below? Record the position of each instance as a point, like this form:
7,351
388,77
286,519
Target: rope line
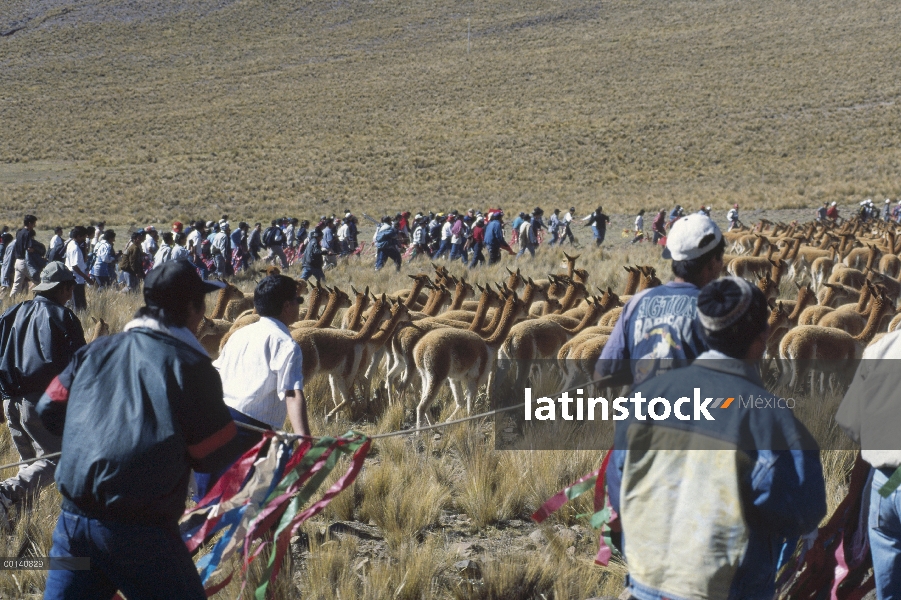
378,436
31,460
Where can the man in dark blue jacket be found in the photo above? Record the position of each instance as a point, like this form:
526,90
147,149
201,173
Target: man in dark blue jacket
494,237
137,411
386,243
38,338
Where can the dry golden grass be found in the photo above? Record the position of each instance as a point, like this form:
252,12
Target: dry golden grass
150,112
425,495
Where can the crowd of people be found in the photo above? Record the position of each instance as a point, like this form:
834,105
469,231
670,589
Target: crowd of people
134,414
138,411
218,250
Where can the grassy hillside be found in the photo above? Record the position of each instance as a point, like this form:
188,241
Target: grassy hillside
156,110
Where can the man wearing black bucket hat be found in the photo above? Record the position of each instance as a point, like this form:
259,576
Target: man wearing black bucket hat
137,411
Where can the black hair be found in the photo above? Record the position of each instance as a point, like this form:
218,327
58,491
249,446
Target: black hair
178,238
735,340
56,291
274,222
689,270
109,235
29,219
271,293
77,231
167,237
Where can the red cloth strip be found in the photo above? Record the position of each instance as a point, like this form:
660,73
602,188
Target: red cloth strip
343,482
600,487
227,486
56,391
275,508
213,442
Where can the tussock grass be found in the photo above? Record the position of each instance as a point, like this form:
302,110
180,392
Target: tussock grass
425,494
489,488
403,494
177,109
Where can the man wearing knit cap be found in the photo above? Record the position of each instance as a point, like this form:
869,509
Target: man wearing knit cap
708,491
657,329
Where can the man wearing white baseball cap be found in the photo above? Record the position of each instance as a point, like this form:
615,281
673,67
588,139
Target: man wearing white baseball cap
656,330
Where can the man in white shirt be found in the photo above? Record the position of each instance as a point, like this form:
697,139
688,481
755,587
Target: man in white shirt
220,246
566,227
342,237
261,365
55,242
75,262
195,238
527,239
151,242
98,234
446,236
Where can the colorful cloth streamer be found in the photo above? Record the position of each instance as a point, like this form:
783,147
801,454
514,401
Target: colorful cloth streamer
603,518
839,565
262,501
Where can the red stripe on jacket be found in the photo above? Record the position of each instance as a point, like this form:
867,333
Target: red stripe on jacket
56,391
213,442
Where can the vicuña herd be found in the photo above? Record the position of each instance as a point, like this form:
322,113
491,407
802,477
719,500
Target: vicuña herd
840,293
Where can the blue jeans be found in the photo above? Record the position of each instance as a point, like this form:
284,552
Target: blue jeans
522,251
443,248
384,254
316,272
477,255
885,537
554,238
598,235
223,266
143,561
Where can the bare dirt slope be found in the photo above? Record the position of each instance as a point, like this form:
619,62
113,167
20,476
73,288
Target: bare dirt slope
163,109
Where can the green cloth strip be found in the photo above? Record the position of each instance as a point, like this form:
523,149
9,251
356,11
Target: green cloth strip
892,484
